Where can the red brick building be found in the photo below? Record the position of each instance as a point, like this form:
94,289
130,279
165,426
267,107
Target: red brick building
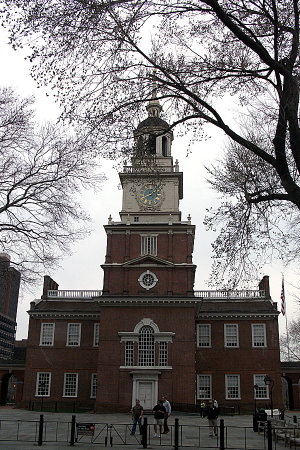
148,332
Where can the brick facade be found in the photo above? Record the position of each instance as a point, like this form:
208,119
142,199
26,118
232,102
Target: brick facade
149,313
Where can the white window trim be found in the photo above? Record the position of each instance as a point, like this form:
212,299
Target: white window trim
198,385
239,386
92,384
265,386
237,336
96,325
163,354
125,356
145,355
149,236
68,332
265,335
145,286
37,385
41,334
198,335
159,336
64,389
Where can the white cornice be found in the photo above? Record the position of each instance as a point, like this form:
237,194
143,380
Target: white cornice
239,315
149,264
147,260
63,315
121,301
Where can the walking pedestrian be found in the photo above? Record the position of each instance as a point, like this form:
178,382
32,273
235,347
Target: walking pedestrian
212,414
167,405
202,408
137,414
159,414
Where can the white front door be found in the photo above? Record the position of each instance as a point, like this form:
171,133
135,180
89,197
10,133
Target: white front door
145,388
145,394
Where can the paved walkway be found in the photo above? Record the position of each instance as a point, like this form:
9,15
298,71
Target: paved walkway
22,424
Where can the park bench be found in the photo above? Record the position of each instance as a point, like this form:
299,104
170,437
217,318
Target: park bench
283,430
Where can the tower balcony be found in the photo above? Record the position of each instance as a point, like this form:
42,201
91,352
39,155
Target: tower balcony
156,167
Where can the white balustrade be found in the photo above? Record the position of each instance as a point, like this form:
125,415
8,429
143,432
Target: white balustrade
212,295
234,294
73,294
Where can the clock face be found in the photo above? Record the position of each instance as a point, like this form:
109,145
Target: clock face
150,195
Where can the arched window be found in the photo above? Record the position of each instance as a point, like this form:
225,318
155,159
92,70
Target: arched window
146,346
152,144
164,146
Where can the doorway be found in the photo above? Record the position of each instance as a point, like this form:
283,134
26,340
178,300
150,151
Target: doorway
145,388
144,394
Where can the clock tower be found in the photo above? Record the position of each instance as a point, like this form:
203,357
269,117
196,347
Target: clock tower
149,252
148,333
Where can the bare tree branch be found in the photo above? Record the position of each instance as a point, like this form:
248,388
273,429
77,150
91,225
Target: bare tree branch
41,170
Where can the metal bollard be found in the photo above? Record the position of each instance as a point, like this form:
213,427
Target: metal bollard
41,429
222,435
269,435
144,433
176,434
255,422
295,419
73,428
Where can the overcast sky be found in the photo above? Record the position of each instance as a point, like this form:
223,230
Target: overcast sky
82,269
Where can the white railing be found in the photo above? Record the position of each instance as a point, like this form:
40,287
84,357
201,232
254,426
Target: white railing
73,294
150,169
212,295
230,294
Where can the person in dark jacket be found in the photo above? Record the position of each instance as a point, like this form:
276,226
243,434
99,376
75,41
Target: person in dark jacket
212,414
159,414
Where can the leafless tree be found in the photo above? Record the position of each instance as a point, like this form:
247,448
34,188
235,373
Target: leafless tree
97,56
289,342
41,172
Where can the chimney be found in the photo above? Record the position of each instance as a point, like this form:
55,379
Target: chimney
264,286
49,285
4,261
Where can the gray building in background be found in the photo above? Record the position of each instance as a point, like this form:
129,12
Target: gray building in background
9,294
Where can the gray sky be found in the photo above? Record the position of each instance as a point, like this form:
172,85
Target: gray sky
82,269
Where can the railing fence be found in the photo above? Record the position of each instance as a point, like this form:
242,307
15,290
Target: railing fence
103,434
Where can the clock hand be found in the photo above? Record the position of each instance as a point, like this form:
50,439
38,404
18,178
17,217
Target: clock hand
151,193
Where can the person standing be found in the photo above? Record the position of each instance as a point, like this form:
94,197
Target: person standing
167,405
159,415
202,408
212,414
137,414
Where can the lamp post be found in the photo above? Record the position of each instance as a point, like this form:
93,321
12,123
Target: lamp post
269,382
255,388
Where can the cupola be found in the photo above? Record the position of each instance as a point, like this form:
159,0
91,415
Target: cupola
153,135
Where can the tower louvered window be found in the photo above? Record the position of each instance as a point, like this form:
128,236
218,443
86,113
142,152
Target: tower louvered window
149,245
